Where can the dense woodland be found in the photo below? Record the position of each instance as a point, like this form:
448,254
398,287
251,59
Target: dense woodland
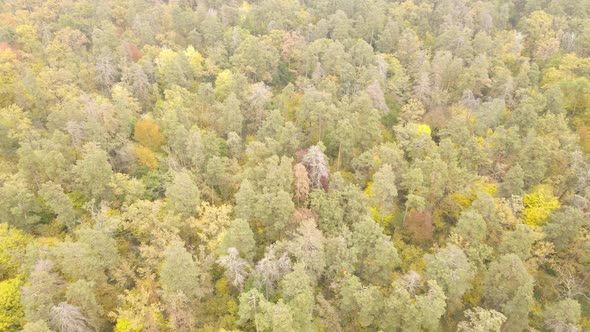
294,165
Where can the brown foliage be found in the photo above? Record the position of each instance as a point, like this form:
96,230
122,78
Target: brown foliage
419,225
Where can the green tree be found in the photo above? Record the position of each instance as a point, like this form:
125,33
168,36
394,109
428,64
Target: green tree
508,287
183,194
413,312
377,257
452,271
481,320
384,190
519,242
60,203
360,303
180,273
91,257
239,236
297,291
93,173
82,295
257,58
307,246
563,315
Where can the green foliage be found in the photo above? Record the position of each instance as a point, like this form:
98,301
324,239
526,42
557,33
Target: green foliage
183,194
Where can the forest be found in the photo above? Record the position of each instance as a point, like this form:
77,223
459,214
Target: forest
294,165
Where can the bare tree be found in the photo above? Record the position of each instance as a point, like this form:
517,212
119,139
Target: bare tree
270,269
568,285
106,70
317,166
65,317
236,268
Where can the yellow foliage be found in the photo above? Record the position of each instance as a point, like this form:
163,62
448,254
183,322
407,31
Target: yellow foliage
223,84
387,218
124,325
148,134
11,310
425,129
464,199
11,241
473,296
146,157
368,189
538,205
377,160
195,59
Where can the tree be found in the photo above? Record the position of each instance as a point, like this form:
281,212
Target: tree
106,70
377,257
13,243
93,173
452,271
257,58
60,203
307,246
183,194
236,268
180,273
362,303
258,98
316,163
11,309
481,320
270,269
68,318
44,289
180,311
239,236
563,316
38,326
508,287
563,226
297,291
173,69
538,205
90,257
18,205
383,190
472,227
301,183
267,316
519,242
245,200
137,312
148,134
82,295
414,312
275,211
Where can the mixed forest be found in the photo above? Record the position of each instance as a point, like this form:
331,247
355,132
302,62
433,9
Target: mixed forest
294,165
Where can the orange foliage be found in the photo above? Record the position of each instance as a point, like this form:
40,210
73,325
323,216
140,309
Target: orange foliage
133,51
148,134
